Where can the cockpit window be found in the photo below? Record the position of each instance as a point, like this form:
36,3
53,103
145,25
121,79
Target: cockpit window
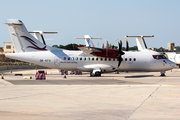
159,57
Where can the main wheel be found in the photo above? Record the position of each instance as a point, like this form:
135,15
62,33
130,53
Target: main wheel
98,74
92,74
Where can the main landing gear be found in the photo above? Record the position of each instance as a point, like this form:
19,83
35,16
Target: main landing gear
95,74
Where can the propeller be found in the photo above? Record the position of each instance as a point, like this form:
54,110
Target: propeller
127,45
120,53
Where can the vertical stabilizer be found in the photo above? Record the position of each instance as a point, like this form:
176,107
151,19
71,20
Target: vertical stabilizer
22,40
141,43
88,41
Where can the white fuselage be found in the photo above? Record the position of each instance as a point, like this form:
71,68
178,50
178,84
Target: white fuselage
29,49
77,60
172,56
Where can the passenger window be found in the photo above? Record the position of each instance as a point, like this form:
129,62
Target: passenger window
64,58
76,58
80,58
109,59
72,58
89,59
125,59
92,59
69,58
101,59
129,59
113,59
105,59
134,59
84,59
96,59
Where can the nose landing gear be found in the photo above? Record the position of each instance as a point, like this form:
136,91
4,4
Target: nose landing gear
162,73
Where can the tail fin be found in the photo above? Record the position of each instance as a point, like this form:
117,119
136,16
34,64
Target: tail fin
88,40
39,35
140,41
22,40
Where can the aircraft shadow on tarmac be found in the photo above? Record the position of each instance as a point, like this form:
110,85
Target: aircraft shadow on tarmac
72,82
139,76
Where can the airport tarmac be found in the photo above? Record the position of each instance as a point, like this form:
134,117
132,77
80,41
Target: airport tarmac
123,96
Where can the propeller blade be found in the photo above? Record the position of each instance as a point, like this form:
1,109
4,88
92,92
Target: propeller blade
120,46
121,43
127,45
120,53
120,60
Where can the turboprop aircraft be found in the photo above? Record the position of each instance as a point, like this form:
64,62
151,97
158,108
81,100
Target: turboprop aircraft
172,56
29,49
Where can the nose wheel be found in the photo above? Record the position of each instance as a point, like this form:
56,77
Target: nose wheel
162,73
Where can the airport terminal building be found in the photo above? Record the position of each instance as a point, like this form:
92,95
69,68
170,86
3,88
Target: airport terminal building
8,48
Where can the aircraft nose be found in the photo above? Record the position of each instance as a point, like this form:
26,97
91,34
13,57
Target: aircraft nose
171,64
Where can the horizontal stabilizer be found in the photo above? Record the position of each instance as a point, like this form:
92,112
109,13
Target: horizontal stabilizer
139,36
41,32
13,22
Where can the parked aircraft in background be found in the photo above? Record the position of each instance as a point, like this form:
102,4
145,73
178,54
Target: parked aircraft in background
141,44
29,49
88,40
39,35
174,57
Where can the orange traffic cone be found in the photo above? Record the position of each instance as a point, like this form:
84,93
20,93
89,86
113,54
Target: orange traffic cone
45,72
64,76
49,68
35,68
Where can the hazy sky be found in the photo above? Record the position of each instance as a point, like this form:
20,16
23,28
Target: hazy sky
109,19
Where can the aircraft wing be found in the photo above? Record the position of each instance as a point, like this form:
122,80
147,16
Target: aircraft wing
89,50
